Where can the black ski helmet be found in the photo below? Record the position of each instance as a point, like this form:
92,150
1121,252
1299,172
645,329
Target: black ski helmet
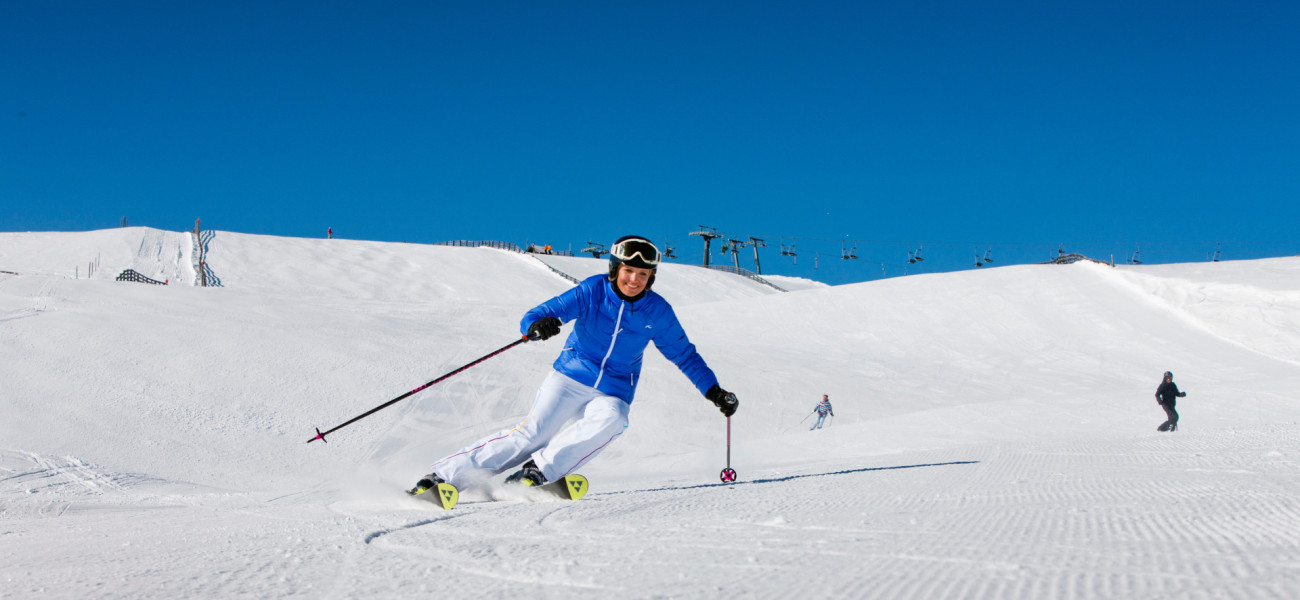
634,251
1169,374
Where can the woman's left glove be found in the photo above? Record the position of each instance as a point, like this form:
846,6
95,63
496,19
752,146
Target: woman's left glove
724,400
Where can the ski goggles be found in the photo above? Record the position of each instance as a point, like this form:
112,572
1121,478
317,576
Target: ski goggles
636,248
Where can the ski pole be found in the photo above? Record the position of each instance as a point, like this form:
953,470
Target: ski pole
321,435
805,418
728,474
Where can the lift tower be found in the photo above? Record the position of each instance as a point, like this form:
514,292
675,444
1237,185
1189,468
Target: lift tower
709,234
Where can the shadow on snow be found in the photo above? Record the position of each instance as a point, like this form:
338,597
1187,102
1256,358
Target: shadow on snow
787,478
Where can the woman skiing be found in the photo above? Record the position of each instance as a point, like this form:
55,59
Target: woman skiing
583,404
1167,395
822,409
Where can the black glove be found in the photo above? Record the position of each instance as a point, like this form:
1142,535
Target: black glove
724,400
544,328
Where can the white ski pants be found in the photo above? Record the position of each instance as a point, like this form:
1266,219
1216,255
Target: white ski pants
593,420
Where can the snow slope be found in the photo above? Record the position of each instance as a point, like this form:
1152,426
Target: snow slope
994,438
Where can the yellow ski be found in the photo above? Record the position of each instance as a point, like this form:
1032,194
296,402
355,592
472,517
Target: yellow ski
571,487
444,494
447,495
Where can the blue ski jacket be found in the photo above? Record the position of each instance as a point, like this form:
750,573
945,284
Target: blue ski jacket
610,335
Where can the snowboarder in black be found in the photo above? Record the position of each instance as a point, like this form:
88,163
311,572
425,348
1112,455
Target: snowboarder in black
1167,395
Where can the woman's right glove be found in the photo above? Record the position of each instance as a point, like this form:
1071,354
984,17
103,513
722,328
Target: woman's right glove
544,328
724,400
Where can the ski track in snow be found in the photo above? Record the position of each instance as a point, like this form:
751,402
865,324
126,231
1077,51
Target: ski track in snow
1193,516
151,439
36,301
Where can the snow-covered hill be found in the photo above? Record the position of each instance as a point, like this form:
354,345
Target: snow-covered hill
994,433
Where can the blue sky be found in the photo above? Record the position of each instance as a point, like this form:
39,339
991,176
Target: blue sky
871,128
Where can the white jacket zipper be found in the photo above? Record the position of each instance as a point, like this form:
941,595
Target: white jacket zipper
617,322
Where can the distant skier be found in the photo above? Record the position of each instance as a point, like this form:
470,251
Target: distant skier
615,315
822,409
1167,395
329,233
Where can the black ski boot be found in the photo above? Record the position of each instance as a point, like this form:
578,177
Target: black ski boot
529,475
429,482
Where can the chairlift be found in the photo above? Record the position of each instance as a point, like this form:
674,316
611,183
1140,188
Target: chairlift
1218,253
1134,260
988,256
978,261
847,254
789,251
667,248
594,248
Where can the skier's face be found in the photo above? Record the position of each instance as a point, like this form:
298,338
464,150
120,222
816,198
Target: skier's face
632,280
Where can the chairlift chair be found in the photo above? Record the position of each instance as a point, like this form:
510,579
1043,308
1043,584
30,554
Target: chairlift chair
595,249
668,249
